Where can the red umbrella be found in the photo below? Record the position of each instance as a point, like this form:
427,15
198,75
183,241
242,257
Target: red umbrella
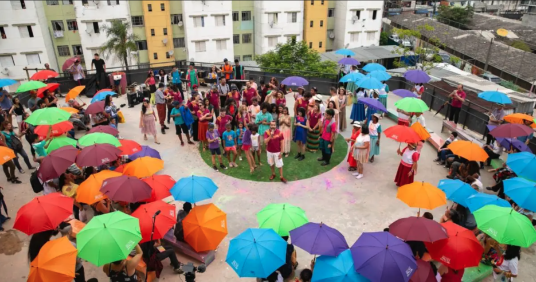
424,272
44,75
129,147
95,108
160,185
126,188
50,86
165,220
418,229
104,129
43,213
103,90
56,162
69,62
401,133
98,154
459,251
120,168
57,129
511,130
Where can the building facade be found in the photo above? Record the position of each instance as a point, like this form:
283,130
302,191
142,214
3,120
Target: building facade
357,23
158,32
315,24
243,41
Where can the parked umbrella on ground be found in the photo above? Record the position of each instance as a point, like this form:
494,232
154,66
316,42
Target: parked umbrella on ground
205,227
56,262
336,269
43,213
349,61
97,155
523,164
55,163
495,97
370,67
417,76
418,229
193,189
404,93
319,239
44,75
160,186
129,147
282,218
295,81
163,221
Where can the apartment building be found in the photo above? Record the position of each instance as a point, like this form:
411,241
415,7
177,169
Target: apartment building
243,41
157,16
315,24
357,23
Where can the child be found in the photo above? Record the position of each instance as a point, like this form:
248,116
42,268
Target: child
213,139
280,100
255,143
254,108
246,146
222,121
180,125
239,135
229,138
243,115
300,136
274,111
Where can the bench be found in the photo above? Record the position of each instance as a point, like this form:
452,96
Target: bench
184,248
478,273
141,269
436,140
462,134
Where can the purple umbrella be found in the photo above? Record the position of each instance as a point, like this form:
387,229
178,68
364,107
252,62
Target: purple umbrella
145,151
56,162
126,189
371,102
404,93
381,257
509,142
295,81
417,76
349,61
319,239
511,130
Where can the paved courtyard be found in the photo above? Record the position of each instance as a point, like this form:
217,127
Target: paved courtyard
336,198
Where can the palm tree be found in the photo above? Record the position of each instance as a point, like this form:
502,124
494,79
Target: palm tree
120,42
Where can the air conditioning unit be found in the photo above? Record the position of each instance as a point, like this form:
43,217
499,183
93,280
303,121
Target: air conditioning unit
164,41
331,35
354,19
271,24
170,52
179,23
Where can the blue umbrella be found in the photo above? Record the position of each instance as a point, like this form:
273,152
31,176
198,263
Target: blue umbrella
101,96
371,102
345,52
379,75
352,77
349,61
145,151
512,142
480,200
522,191
193,189
256,253
404,93
523,164
369,83
495,97
6,82
336,269
417,76
456,190
295,81
370,67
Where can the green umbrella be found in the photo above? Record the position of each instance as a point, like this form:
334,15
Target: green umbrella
58,142
48,116
98,138
30,85
107,238
505,225
282,218
412,105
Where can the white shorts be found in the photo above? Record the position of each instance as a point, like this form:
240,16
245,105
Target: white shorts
273,158
19,119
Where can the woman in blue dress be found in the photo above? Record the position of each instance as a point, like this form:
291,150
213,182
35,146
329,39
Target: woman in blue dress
358,108
300,134
370,111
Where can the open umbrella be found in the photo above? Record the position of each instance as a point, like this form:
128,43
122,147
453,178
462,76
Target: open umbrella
58,129
69,62
30,85
49,86
402,134
461,250
336,269
59,142
6,154
495,97
73,93
282,218
55,163
345,52
511,143
295,81
404,93
523,164
456,190
505,225
70,110
369,83
348,61
520,119
418,229
424,272
319,239
7,82
95,108
97,155
370,67
145,151
468,150
44,75
107,238
48,116
43,213
522,191
161,213
412,105
479,200
193,189
381,257
256,253
417,76
98,138
129,147
126,189
379,75
160,186
420,130
352,77
102,95
104,90
511,130
89,191
422,195
205,227
143,167
56,262
373,103
105,129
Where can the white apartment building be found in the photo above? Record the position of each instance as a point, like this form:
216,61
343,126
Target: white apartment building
275,22
91,17
357,23
24,41
209,30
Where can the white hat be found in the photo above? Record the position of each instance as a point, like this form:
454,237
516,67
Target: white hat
318,97
377,115
356,124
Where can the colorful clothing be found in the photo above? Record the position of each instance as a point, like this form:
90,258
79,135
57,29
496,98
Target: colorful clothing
191,76
313,136
229,138
300,133
358,108
286,131
263,117
402,175
375,129
239,135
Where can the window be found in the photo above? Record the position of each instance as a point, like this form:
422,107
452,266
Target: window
321,23
84,2
311,24
137,20
200,46
3,32
199,21
77,50
19,4
310,45
57,26
162,7
179,42
374,14
33,59
272,41
150,8
155,56
67,2
358,14
63,51
235,16
331,12
247,58
312,2
113,2
176,18
320,44
246,16
272,18
26,31
72,25
322,2
49,2
165,31
168,55
236,38
7,61
221,44
141,44
354,37
96,27
246,38
220,20
293,17
371,36
152,32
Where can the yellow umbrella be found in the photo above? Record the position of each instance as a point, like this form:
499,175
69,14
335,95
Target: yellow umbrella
73,93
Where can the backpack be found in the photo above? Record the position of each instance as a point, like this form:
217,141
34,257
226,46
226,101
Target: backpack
179,233
16,145
37,185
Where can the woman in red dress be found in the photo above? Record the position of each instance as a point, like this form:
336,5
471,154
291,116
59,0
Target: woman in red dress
352,163
204,116
408,165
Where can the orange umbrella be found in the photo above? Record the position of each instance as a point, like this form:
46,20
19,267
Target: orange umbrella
76,226
70,110
73,93
468,150
143,167
6,154
421,131
422,195
204,227
519,118
55,262
89,191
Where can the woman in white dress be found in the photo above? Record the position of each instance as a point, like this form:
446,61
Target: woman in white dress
361,151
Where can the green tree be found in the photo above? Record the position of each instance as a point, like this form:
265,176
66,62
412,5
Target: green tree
384,38
296,58
425,56
455,16
120,42
521,45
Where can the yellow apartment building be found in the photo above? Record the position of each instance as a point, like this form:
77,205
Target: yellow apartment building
315,24
159,32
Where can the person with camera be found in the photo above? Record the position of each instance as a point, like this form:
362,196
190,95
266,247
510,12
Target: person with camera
153,255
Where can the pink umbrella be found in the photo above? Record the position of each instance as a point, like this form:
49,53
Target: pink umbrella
69,62
511,130
104,129
56,163
98,154
95,108
126,189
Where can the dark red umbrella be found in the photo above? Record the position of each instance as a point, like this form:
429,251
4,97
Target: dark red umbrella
57,162
424,272
43,213
418,229
98,154
95,108
160,185
105,129
126,189
511,130
44,75
57,129
165,220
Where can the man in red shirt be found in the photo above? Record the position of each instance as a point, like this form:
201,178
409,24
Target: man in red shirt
223,120
214,98
273,139
329,132
250,93
458,97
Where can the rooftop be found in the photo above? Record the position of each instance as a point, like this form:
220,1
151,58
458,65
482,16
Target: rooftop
515,28
364,54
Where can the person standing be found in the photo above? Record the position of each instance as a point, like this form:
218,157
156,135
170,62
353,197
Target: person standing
249,93
32,101
263,119
458,97
148,120
238,73
496,117
78,72
160,101
300,134
286,129
342,109
274,143
14,143
100,74
151,82
191,77
180,116
18,110
226,69
408,165
224,90
361,150
352,162
375,131
6,103
204,117
358,108
176,80
313,124
329,132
